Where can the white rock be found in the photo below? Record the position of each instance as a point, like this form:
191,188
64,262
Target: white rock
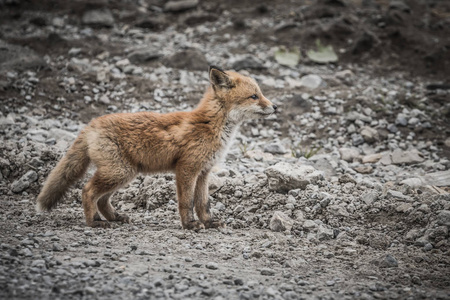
311,81
280,222
283,176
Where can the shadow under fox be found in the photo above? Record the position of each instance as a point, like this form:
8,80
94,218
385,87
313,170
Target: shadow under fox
187,143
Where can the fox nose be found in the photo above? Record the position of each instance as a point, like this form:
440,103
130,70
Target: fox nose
274,107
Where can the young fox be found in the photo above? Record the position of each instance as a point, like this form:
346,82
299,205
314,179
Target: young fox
188,143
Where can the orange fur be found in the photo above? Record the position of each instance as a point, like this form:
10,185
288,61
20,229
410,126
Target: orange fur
187,143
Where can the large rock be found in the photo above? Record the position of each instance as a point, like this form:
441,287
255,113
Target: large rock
98,18
349,154
14,57
24,182
284,177
275,148
441,178
191,59
280,222
406,157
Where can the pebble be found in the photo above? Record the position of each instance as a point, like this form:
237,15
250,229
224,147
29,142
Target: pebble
212,266
267,272
388,261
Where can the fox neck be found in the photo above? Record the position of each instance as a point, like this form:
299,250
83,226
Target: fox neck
219,116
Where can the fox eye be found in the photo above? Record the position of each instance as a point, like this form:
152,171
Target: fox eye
254,96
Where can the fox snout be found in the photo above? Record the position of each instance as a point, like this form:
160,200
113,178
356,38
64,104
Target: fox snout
267,106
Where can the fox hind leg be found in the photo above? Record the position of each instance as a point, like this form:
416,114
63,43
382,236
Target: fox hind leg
104,182
108,211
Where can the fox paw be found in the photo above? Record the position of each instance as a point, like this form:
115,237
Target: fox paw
214,224
122,218
194,225
97,217
99,224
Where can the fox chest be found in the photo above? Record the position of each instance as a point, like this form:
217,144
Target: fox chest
225,141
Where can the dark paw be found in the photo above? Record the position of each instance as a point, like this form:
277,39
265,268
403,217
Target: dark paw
97,217
99,224
214,224
122,218
194,225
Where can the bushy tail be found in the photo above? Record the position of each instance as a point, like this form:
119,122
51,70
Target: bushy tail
68,170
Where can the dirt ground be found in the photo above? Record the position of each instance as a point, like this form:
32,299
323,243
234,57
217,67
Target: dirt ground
371,223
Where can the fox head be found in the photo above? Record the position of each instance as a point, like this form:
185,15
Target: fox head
240,95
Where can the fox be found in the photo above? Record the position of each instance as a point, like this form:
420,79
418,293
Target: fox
187,143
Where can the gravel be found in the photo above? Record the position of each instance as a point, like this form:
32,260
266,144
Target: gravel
343,193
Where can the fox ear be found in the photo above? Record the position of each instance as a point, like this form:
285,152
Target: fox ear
219,78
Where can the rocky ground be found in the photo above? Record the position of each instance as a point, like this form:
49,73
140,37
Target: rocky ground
343,194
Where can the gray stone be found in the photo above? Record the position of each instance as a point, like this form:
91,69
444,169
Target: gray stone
444,217
357,139
24,182
90,290
413,121
388,262
275,148
356,116
104,100
392,128
181,5
428,247
283,176
403,208
369,198
280,222
309,225
57,247
98,18
324,233
406,157
338,210
267,272
401,120
397,195
212,266
413,182
349,154
369,134
441,178
346,178
371,158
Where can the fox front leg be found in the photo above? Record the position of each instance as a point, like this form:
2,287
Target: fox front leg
185,192
202,205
